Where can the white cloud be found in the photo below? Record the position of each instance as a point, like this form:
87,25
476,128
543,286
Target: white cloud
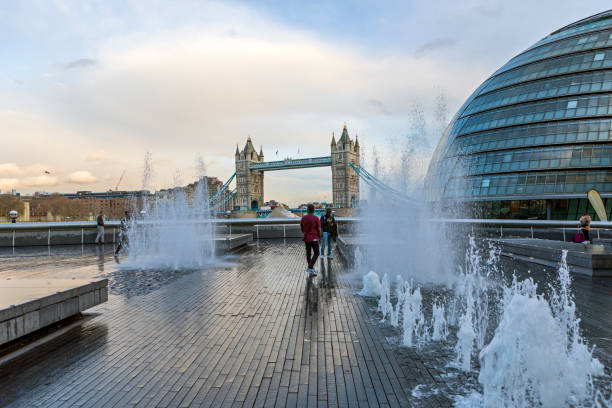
100,155
39,181
8,183
10,169
198,77
81,177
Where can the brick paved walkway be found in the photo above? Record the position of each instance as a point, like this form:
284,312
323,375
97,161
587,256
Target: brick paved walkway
234,336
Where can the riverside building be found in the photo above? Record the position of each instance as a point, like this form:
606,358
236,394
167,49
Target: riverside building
536,135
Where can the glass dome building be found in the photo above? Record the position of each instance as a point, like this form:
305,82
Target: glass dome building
535,136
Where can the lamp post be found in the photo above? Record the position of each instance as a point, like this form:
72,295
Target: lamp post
13,214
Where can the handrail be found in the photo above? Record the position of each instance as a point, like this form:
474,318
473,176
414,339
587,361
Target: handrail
522,223
273,221
7,226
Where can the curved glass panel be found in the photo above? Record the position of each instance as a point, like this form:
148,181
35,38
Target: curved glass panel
539,128
547,88
560,66
548,158
570,45
539,184
555,109
536,135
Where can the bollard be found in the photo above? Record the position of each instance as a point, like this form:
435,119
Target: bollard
82,236
13,238
563,234
257,229
531,232
49,237
501,231
597,233
284,231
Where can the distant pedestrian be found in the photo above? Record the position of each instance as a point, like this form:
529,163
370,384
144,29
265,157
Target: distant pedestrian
311,228
328,226
100,221
585,226
123,232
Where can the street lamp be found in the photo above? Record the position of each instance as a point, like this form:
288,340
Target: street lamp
13,214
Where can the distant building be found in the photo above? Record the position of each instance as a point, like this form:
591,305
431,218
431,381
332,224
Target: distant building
213,185
113,203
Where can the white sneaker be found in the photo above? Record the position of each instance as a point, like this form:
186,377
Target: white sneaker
313,272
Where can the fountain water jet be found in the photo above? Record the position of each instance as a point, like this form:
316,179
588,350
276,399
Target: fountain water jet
174,232
384,303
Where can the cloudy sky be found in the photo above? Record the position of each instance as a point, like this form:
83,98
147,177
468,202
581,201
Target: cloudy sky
87,87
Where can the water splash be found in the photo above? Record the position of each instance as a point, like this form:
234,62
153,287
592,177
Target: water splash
465,342
173,232
384,303
414,329
358,260
371,285
400,291
537,356
439,324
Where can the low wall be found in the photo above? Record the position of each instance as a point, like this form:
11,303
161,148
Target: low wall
50,301
52,233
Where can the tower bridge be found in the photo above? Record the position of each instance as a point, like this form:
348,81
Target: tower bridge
250,169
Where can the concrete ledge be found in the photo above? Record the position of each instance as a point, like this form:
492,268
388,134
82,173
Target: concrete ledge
347,245
592,260
27,305
229,242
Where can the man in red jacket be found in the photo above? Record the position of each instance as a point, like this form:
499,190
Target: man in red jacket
311,228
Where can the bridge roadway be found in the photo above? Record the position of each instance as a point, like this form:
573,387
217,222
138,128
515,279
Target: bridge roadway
235,335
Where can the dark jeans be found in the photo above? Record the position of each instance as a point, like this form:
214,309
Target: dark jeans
585,232
312,259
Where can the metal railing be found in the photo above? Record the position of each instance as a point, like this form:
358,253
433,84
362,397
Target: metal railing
44,231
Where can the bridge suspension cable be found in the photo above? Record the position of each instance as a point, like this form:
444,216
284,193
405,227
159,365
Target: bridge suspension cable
378,185
224,200
219,195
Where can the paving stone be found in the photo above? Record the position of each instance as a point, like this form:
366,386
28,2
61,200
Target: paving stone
237,335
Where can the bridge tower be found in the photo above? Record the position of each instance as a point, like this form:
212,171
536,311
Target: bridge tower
345,182
249,183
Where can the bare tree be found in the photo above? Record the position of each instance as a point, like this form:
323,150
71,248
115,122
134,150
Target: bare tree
10,202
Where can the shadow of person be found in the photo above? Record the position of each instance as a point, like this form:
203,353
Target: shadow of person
324,279
331,276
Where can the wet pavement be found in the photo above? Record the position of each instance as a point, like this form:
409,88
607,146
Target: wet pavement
235,335
241,334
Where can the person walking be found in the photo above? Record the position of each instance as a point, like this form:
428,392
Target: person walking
328,224
585,226
100,236
311,229
123,232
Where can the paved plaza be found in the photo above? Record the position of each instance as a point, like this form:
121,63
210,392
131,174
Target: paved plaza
235,335
240,334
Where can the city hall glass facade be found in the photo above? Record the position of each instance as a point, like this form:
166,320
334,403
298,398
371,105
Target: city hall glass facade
535,136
